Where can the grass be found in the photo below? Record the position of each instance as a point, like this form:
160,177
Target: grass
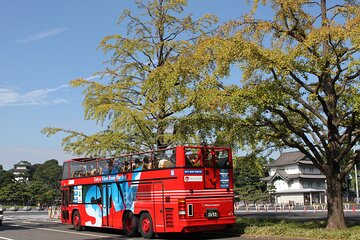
294,229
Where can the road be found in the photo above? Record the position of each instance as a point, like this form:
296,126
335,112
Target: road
38,226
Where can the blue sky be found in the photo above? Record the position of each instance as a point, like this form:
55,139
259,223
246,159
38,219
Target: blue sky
44,45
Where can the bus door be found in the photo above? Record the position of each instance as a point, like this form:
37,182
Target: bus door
64,205
209,168
158,218
106,205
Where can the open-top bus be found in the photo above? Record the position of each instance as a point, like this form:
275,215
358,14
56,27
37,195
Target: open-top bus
180,189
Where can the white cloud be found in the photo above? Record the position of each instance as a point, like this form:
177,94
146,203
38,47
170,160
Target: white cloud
42,35
98,77
9,97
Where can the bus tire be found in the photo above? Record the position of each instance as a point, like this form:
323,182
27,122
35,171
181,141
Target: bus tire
77,221
130,223
146,226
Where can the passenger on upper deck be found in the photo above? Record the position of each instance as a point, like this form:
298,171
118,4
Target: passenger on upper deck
126,167
116,167
136,164
146,164
164,163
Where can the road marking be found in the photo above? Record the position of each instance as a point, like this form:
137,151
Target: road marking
76,233
14,225
6,238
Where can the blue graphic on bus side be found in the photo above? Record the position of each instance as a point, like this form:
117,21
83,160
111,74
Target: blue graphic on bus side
126,200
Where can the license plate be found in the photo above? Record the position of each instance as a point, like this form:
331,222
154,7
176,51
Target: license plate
212,213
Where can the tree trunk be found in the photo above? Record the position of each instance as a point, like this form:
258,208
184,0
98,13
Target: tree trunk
336,219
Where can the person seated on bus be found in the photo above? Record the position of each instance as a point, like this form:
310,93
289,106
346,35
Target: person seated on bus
173,159
116,167
93,172
146,164
126,167
203,154
90,171
81,171
136,164
188,161
164,163
108,166
76,174
223,160
195,160
155,162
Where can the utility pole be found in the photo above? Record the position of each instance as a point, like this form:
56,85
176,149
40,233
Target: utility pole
357,154
356,185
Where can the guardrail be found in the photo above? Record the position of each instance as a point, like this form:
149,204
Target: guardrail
264,207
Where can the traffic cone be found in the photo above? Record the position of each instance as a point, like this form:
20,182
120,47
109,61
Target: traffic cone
353,209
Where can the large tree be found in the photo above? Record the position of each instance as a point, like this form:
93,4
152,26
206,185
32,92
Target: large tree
140,109
299,89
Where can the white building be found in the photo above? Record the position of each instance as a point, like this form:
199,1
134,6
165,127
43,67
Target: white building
21,171
295,179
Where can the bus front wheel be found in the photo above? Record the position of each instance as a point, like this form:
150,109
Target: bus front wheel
130,223
146,226
77,221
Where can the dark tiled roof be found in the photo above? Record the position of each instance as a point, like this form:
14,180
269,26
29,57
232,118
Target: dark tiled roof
288,159
287,177
23,163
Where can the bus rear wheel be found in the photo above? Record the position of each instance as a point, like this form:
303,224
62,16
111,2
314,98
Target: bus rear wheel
130,223
146,226
77,221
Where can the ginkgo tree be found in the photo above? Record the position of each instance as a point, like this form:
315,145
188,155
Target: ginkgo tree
140,109
299,87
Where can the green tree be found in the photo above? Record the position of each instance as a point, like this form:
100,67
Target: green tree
37,191
49,173
300,85
141,109
14,193
45,187
6,177
247,173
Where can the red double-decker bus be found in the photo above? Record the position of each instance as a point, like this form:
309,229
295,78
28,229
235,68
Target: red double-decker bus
180,189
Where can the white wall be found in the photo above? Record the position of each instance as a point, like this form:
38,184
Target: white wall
298,198
295,184
280,185
292,169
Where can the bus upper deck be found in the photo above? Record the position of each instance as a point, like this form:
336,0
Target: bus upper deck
182,156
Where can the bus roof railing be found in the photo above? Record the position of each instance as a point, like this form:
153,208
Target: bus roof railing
89,159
